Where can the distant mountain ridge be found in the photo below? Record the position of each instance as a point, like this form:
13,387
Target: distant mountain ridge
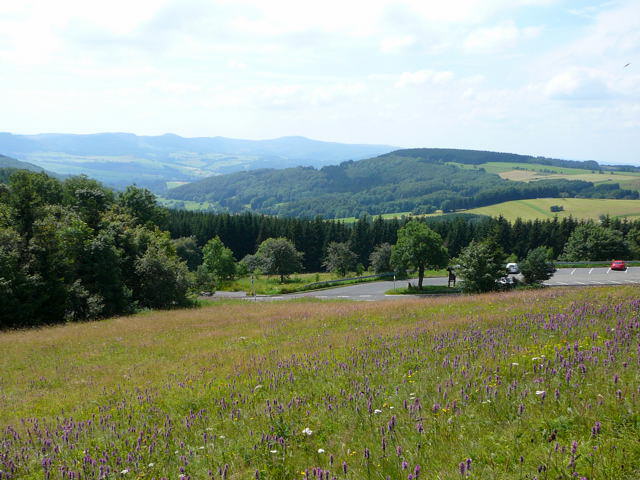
119,159
412,180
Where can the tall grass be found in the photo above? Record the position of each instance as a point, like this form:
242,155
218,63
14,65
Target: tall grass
539,384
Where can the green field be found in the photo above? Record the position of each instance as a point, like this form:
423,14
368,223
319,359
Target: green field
527,172
270,284
520,385
184,204
576,207
539,208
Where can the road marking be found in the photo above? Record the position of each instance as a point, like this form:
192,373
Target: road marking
608,270
590,271
343,296
615,283
631,281
573,271
581,283
364,296
561,283
599,283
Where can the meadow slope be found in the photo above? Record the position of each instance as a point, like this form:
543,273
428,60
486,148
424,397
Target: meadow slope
539,208
538,384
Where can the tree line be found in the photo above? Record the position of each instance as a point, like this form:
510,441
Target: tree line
244,232
73,250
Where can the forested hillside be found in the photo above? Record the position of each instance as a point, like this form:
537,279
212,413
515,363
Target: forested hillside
76,250
9,165
418,181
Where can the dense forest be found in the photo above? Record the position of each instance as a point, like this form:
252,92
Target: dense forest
417,181
73,249
242,233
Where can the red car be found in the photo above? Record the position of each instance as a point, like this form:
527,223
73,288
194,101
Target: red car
618,265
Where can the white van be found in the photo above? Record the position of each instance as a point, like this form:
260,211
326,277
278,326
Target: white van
513,268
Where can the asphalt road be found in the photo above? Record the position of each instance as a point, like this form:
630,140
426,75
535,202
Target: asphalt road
594,276
374,291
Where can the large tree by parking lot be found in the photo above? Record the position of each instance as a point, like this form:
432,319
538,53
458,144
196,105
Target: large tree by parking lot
595,242
419,247
480,265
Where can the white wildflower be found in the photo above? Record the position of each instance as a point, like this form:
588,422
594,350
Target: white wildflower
540,392
151,464
377,411
514,364
124,472
273,451
307,431
321,450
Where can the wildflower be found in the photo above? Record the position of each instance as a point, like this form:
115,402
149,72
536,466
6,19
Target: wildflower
257,387
151,464
273,451
124,472
514,364
377,411
307,431
321,450
540,392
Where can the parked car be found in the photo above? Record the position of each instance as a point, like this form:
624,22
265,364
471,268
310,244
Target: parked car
513,268
618,265
507,282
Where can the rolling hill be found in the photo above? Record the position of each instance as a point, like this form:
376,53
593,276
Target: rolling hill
8,165
420,181
119,159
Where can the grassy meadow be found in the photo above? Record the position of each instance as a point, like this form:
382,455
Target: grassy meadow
538,208
522,385
528,172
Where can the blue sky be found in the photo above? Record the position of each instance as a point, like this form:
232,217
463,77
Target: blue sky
541,77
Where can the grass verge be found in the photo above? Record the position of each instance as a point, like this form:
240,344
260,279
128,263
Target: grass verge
426,290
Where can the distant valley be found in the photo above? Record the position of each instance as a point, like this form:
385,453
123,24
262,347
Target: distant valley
158,162
313,178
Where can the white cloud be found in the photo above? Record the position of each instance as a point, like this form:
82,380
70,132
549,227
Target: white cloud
394,44
498,37
421,77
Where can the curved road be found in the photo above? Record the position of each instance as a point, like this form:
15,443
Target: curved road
374,291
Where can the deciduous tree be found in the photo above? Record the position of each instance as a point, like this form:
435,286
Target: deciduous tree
339,258
480,265
419,247
278,256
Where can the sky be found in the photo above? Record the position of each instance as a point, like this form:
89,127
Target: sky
540,77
